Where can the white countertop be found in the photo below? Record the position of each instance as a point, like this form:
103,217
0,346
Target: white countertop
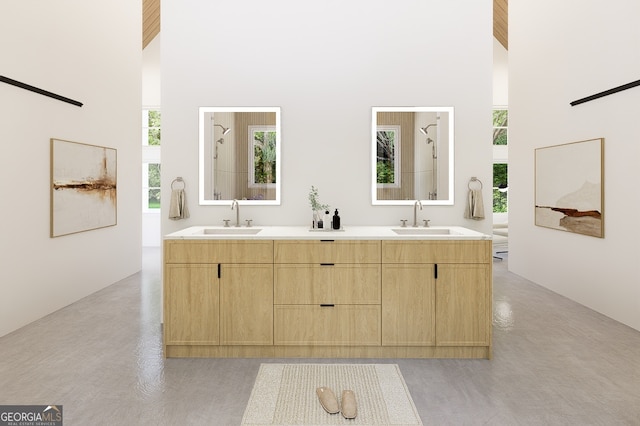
347,233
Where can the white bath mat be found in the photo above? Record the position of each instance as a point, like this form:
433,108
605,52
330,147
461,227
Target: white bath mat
285,394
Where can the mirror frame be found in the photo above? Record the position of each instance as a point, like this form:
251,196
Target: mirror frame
201,160
374,174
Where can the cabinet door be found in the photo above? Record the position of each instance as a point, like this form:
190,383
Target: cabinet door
463,305
191,310
246,304
408,305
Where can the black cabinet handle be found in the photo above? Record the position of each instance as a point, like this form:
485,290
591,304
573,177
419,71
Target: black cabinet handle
435,271
327,264
327,241
327,305
219,270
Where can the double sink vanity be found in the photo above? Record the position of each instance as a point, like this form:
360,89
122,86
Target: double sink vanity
360,292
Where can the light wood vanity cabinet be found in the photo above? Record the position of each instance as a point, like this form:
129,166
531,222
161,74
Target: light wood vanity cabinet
391,298
463,309
246,304
217,293
408,307
437,293
327,293
191,304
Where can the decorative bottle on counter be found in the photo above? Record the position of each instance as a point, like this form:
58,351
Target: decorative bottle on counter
327,219
336,220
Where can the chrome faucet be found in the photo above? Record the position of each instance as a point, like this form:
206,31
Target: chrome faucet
235,203
415,213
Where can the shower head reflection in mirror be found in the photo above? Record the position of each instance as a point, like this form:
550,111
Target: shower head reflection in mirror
225,130
239,155
412,155
425,130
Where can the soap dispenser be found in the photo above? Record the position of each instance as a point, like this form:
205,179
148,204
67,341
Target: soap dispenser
327,219
336,220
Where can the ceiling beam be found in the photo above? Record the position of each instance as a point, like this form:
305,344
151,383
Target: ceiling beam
501,22
150,20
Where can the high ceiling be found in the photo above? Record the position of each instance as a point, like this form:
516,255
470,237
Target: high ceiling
151,21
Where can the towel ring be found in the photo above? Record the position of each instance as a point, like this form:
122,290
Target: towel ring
178,180
474,179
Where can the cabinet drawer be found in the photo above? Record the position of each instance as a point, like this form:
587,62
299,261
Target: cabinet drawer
317,284
220,251
476,251
326,251
350,325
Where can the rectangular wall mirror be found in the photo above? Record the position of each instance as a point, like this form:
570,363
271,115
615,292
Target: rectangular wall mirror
412,155
239,153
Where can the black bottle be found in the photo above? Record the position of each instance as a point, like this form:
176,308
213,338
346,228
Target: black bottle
336,221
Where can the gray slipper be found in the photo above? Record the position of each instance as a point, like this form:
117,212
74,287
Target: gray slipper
349,406
328,400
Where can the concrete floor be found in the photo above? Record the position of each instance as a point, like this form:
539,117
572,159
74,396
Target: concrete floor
555,363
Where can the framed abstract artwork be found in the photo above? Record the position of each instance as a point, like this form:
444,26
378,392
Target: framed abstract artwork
83,187
569,187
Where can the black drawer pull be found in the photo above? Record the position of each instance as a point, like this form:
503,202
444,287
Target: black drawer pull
327,241
327,305
327,264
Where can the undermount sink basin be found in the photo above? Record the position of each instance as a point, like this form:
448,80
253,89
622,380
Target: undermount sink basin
422,231
231,231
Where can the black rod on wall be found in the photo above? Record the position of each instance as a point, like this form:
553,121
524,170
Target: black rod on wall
606,92
38,90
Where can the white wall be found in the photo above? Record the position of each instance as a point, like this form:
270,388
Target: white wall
500,99
151,74
326,64
71,48
500,74
151,98
580,49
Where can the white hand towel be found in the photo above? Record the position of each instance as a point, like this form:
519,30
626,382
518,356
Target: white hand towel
178,205
475,206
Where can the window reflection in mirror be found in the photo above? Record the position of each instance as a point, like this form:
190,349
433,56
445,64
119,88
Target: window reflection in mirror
412,155
388,166
239,152
262,164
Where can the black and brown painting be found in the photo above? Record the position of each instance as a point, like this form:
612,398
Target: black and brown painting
569,187
83,187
